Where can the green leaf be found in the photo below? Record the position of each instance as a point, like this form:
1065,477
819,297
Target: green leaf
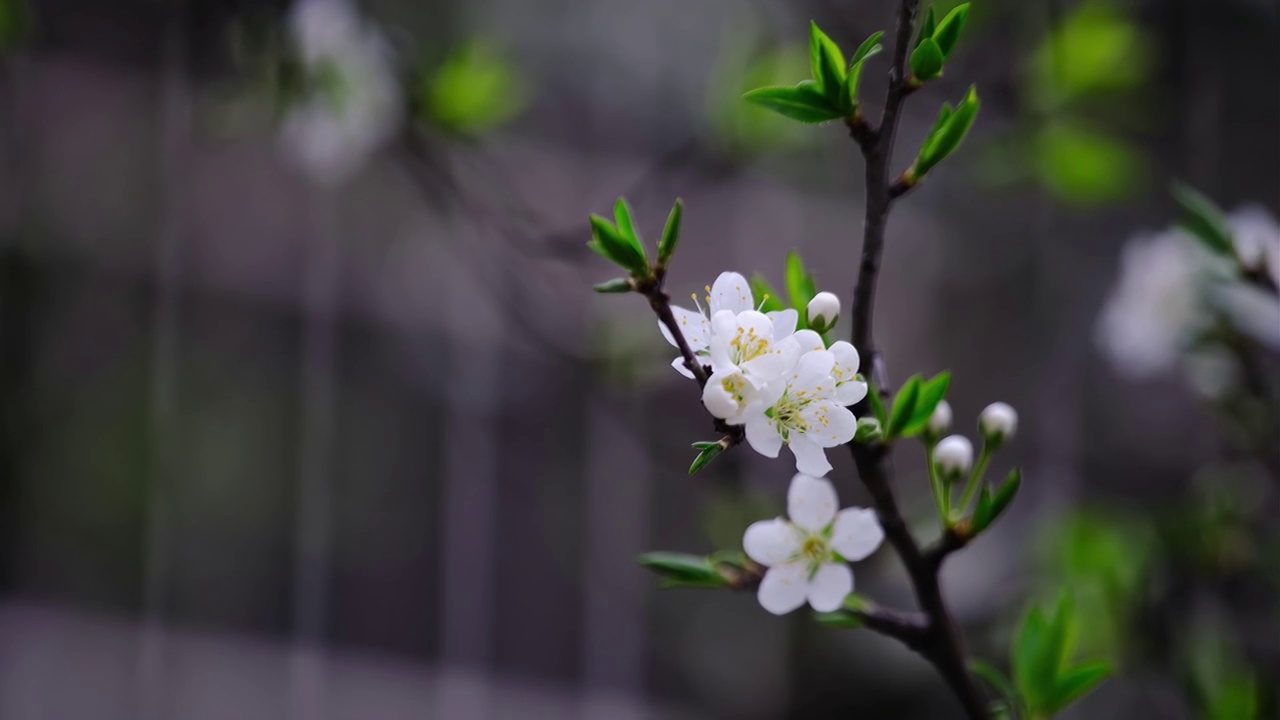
944,114
1025,657
992,505
606,240
1204,220
802,102
839,619
926,60
763,292
827,63
868,48
904,406
616,285
476,88
670,233
1084,165
996,679
948,31
707,451
949,136
848,103
931,393
1077,682
626,226
800,286
928,27
682,570
877,404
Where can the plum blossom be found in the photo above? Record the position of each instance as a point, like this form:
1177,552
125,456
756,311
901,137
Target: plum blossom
731,293
998,421
804,408
352,102
807,555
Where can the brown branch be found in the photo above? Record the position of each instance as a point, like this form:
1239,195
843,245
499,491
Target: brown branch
940,641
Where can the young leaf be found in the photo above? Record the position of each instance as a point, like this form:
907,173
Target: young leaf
904,406
948,31
928,27
616,285
682,570
931,393
994,678
707,451
606,240
948,137
1204,220
670,233
926,60
869,47
877,404
1025,657
991,505
800,286
802,102
764,294
1077,682
827,63
626,226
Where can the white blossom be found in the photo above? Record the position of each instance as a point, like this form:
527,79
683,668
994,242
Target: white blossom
730,293
806,556
998,421
823,310
953,456
352,101
940,419
804,408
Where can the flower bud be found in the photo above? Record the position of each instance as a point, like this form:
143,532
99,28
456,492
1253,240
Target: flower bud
823,311
998,422
869,430
953,456
940,420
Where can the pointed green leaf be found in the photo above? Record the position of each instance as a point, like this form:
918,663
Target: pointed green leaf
1075,683
606,240
707,451
802,102
948,31
682,569
904,406
949,136
928,27
982,513
926,60
992,504
826,61
944,114
868,48
1026,651
670,233
616,285
626,226
931,393
996,679
800,286
1204,220
771,300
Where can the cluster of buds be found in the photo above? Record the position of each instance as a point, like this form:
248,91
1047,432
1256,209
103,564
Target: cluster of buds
952,462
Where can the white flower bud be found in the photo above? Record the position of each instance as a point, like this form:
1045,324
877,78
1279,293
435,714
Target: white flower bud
953,456
940,420
998,422
823,311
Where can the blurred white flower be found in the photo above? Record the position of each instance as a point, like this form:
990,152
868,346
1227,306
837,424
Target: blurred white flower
732,293
806,556
953,456
998,421
803,409
1257,240
940,420
351,104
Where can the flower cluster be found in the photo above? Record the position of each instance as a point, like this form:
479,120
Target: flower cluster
785,386
807,555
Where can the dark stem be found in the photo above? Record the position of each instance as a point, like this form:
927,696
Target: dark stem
940,642
661,304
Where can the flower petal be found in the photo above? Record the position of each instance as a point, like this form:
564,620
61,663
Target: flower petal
784,588
811,502
724,326
809,340
850,392
731,292
829,424
811,459
830,586
812,374
847,360
771,542
784,323
693,325
678,364
762,434
766,367
856,533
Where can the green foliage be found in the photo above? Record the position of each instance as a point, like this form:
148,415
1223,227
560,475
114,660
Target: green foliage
1095,49
826,64
803,102
619,244
683,570
847,617
1041,656
877,404
992,504
1204,220
475,89
869,48
616,285
741,69
926,60
670,233
832,90
947,133
914,403
707,451
948,31
800,287
935,42
770,299
1085,166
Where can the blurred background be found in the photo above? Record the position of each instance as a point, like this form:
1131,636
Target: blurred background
307,409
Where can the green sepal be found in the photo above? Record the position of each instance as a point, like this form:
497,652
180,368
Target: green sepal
670,233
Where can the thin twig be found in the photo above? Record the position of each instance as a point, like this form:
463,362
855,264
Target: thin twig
940,642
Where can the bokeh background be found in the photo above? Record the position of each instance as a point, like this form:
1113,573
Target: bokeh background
361,443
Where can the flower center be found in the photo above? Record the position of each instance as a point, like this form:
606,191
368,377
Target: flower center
786,413
735,385
815,549
747,345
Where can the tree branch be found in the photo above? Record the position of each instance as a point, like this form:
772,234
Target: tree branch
940,642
